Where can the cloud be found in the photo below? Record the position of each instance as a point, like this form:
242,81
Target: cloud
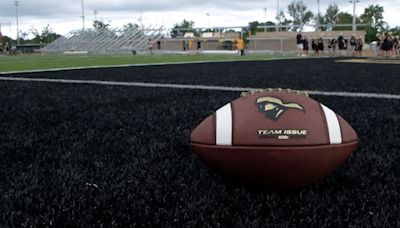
62,8
67,13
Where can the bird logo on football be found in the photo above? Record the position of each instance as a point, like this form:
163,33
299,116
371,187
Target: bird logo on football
273,107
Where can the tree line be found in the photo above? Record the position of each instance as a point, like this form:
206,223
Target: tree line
298,14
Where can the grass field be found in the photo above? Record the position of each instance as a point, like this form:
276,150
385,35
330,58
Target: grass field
39,62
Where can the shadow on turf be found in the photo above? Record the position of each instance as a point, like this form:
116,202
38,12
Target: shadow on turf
345,177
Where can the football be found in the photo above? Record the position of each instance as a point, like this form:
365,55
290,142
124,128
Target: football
277,139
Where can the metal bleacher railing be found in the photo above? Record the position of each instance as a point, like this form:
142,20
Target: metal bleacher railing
106,40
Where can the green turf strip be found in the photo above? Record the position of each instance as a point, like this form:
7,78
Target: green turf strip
39,62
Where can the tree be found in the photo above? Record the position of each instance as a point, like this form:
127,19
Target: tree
282,20
250,30
7,39
331,16
255,24
100,25
298,11
253,27
131,26
46,36
269,23
180,29
320,20
373,17
345,18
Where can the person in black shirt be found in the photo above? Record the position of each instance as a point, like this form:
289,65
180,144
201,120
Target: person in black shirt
299,43
320,45
387,45
314,46
397,45
305,45
8,48
342,43
379,38
353,45
359,46
334,43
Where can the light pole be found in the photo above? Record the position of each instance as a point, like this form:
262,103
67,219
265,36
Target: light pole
208,20
16,4
354,13
95,15
1,38
265,19
277,16
83,16
318,16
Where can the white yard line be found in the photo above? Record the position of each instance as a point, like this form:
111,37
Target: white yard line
371,61
196,87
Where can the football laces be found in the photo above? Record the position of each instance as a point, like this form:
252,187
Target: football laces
255,91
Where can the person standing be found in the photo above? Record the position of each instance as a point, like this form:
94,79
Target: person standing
379,41
387,45
150,46
332,46
314,46
353,45
8,48
320,45
305,46
342,43
240,46
396,45
359,46
299,43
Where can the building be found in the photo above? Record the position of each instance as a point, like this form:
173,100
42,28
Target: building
206,41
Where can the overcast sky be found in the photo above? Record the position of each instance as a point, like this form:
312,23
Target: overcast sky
64,15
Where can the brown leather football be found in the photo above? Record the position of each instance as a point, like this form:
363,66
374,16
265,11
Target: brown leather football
277,139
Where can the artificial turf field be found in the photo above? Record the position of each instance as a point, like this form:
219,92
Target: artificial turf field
12,63
87,155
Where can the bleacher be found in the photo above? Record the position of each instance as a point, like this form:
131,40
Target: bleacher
106,40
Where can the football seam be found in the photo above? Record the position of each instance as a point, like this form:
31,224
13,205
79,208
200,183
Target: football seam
233,125
214,127
341,128
328,141
283,146
331,122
